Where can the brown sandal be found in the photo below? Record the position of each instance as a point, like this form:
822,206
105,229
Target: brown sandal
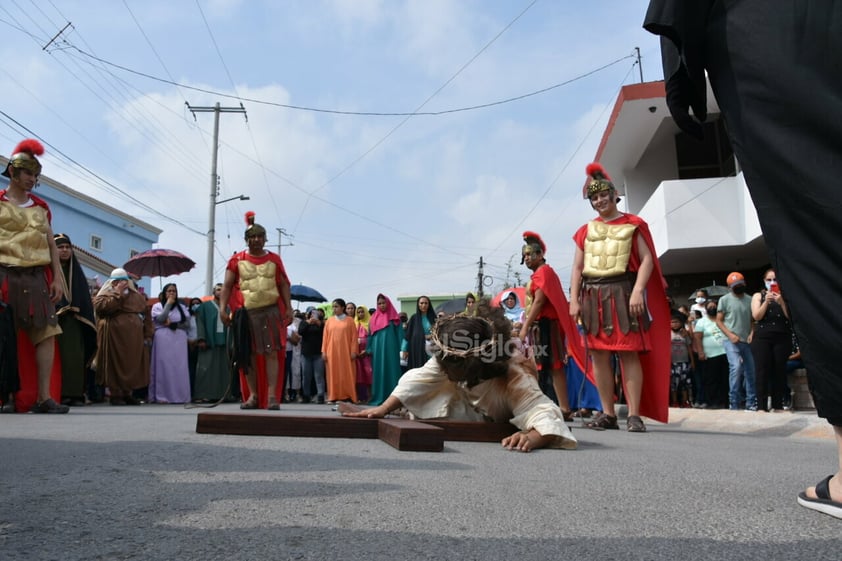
250,404
274,405
603,422
567,415
635,424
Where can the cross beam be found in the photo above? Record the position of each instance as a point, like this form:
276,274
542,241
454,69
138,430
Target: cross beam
403,434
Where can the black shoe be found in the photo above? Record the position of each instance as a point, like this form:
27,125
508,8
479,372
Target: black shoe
131,401
49,406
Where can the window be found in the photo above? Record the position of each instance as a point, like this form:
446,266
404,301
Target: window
711,157
96,243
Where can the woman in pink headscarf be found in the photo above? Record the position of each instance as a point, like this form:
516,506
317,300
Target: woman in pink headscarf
384,345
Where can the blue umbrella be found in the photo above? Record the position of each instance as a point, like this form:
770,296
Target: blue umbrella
302,293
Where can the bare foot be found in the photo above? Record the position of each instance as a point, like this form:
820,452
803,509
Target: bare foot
834,486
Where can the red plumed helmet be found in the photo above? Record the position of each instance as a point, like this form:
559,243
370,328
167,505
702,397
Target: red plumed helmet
250,218
596,171
24,157
30,146
533,237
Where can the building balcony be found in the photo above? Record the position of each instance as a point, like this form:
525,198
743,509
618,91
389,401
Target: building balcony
705,225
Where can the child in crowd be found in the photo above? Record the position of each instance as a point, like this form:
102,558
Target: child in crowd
682,362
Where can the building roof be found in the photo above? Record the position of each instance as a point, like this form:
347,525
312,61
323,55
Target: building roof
91,201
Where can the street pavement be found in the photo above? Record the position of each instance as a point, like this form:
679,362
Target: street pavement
115,483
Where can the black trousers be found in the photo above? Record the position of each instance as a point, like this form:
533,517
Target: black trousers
777,76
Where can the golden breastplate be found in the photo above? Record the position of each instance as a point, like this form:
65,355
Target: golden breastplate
607,249
257,283
23,236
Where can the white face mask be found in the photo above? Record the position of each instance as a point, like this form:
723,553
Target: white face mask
701,300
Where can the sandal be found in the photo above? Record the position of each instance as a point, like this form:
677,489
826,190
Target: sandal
635,424
603,422
250,404
822,502
567,415
274,405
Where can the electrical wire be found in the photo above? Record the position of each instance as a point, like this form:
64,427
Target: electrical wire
138,202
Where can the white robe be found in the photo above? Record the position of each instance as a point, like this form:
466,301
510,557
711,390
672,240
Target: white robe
427,393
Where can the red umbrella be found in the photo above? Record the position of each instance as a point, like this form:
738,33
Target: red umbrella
520,291
159,263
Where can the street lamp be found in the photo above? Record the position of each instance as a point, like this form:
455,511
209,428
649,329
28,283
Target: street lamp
241,198
211,237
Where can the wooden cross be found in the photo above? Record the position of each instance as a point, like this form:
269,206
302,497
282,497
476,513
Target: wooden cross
403,434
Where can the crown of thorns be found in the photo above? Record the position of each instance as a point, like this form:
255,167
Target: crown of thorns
446,350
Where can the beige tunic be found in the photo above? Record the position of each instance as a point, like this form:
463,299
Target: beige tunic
427,393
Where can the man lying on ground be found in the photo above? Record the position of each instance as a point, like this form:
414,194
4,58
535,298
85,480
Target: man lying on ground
477,373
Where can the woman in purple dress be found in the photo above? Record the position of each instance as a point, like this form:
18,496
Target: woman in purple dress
169,377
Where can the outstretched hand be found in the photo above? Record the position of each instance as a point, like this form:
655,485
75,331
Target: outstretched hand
351,410
525,441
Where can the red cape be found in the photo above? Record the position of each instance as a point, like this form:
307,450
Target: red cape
547,280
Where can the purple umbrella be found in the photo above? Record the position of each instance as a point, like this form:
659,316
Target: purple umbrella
159,263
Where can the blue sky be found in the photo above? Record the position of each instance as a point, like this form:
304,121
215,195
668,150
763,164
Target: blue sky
371,203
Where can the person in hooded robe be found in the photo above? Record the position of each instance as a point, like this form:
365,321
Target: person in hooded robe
77,342
417,335
511,307
124,333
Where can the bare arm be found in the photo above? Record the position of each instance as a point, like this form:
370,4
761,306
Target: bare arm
534,311
647,265
720,323
284,290
697,342
225,296
576,282
56,289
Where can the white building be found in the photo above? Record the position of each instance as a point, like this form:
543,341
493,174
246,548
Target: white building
103,237
690,192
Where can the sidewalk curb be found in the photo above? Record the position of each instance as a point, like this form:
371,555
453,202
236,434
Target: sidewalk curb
798,424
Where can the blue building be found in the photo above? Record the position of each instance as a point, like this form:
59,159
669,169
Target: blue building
103,237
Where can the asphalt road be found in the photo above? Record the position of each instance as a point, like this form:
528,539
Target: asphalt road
109,483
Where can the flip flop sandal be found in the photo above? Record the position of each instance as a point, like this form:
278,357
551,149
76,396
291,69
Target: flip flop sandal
822,502
635,424
603,422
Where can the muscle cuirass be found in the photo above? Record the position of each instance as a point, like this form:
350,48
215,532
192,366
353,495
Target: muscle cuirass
23,236
257,283
607,249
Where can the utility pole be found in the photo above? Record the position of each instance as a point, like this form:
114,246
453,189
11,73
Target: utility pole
639,66
281,234
480,279
216,110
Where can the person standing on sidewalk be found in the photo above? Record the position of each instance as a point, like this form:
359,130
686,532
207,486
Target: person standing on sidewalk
30,271
733,317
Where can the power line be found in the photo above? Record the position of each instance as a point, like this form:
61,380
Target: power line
248,127
138,202
408,116
565,166
352,113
